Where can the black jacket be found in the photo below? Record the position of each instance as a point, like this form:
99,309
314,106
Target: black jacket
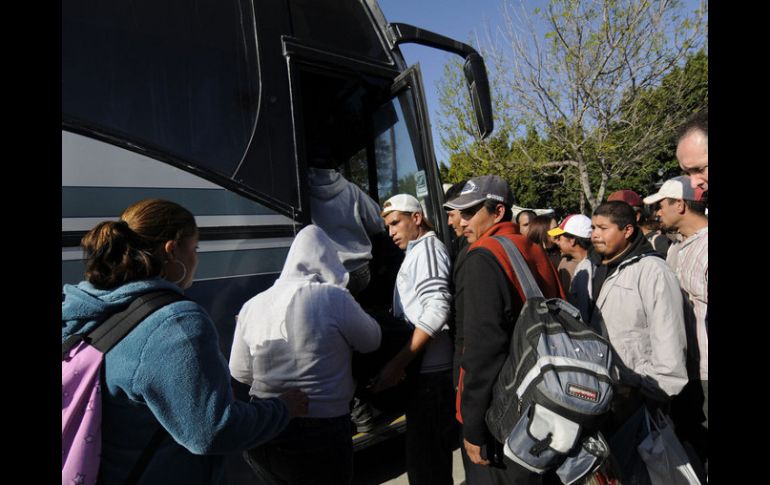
487,307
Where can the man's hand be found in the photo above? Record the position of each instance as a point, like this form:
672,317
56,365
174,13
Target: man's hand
297,402
390,375
474,453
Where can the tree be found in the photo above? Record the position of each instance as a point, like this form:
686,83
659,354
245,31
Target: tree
588,95
471,155
585,82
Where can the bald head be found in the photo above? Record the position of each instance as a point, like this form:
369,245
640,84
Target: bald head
692,151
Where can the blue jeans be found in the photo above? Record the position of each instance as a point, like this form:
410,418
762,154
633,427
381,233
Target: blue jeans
431,430
310,451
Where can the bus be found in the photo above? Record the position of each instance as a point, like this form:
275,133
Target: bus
219,105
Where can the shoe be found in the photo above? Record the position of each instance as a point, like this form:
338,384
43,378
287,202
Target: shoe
364,416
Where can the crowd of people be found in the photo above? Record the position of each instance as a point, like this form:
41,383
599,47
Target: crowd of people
636,269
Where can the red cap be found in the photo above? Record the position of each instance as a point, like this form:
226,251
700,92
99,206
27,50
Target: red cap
628,196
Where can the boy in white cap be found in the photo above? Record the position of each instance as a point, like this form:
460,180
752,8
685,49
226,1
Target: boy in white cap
573,236
422,298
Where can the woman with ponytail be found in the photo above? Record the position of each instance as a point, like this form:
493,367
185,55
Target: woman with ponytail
168,372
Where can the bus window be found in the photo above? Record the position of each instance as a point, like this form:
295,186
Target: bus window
400,161
182,80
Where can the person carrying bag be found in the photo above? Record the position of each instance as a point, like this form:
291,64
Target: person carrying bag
664,456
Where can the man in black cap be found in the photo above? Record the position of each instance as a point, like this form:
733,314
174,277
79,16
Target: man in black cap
487,303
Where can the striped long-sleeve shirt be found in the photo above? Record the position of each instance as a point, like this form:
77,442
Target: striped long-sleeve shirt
422,297
690,262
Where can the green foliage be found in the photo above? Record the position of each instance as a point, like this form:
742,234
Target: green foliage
604,104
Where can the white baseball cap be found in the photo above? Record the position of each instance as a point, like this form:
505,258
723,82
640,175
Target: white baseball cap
575,225
675,188
401,203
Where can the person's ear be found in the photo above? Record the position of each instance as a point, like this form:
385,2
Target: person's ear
499,212
628,231
168,248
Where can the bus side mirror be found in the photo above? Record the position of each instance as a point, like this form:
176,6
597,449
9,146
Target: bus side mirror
474,69
478,86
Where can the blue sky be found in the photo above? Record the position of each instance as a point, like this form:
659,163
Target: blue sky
458,19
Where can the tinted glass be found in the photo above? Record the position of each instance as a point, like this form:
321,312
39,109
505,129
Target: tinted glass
338,25
397,147
177,75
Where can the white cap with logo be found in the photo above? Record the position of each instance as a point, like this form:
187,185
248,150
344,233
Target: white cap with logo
401,203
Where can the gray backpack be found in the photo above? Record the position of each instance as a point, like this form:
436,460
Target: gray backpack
554,387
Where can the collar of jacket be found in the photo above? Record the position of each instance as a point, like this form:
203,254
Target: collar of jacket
411,244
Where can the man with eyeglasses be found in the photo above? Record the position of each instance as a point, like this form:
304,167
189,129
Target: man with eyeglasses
692,150
488,302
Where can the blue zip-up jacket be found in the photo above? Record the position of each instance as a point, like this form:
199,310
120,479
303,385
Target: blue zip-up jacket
168,370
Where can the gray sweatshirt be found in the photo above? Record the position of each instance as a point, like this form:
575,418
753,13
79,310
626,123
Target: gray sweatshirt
346,214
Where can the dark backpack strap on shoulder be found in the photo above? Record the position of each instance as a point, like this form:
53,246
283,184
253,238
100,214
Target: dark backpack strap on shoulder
520,267
112,331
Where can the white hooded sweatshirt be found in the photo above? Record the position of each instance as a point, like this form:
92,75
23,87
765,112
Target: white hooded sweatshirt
346,213
301,332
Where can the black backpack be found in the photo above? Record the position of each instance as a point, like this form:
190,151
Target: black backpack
554,387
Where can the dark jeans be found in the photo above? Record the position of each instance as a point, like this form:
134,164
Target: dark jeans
705,386
431,431
310,451
689,410
506,473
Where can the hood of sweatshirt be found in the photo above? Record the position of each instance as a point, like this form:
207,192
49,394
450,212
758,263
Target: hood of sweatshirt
325,183
313,256
84,305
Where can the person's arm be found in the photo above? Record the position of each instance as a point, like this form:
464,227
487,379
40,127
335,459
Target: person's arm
662,299
369,211
395,370
184,380
431,284
487,331
361,331
432,275
240,356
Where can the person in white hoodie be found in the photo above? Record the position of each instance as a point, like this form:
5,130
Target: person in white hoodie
301,333
348,216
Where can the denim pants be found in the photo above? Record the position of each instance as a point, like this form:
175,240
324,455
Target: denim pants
310,451
431,430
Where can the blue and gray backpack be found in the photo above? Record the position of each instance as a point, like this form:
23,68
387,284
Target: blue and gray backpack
554,387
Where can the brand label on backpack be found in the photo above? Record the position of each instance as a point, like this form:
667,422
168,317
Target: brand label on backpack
583,393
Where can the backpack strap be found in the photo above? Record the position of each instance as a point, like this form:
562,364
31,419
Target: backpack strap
144,458
520,267
112,331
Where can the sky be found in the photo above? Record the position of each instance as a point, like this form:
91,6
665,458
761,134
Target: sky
457,19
